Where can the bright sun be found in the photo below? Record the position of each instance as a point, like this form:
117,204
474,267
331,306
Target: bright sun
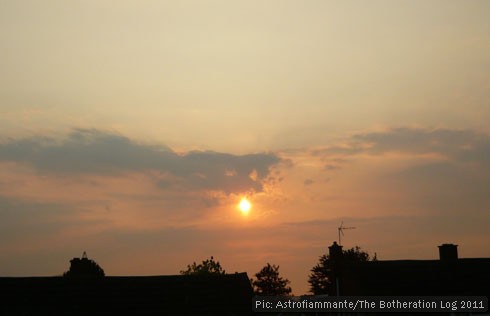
244,206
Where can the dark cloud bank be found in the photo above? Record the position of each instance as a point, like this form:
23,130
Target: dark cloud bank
97,152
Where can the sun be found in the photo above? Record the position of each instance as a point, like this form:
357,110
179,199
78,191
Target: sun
244,206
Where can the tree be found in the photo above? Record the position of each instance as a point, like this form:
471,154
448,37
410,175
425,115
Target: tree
321,277
269,283
84,267
208,266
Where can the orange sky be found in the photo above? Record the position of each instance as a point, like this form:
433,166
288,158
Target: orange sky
132,131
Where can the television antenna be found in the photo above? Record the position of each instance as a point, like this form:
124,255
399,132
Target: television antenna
341,229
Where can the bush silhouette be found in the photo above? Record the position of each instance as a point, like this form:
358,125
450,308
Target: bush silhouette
84,267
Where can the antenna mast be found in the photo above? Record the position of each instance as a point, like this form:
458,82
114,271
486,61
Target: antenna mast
341,229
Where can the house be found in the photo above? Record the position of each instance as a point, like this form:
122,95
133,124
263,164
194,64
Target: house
228,294
448,276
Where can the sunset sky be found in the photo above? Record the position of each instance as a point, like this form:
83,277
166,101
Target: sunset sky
132,130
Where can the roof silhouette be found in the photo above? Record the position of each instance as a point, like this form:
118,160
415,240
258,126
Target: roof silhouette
448,276
228,294
465,277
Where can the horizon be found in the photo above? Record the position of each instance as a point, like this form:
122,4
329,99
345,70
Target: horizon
134,131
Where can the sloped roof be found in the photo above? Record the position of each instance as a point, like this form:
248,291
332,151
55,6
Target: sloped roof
229,294
417,277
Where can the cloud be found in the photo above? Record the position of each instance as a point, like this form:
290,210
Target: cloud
437,148
455,179
461,145
96,152
404,170
417,202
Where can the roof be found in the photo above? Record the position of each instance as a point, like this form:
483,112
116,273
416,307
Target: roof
417,277
229,294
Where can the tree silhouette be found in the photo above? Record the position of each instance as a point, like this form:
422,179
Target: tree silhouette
84,267
208,266
321,278
269,283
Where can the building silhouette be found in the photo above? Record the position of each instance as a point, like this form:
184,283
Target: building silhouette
84,290
448,276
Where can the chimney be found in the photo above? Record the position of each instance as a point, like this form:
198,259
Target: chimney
335,252
448,252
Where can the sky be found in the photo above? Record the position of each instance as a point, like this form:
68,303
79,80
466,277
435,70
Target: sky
132,129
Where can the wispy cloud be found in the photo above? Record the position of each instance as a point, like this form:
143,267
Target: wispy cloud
400,170
460,145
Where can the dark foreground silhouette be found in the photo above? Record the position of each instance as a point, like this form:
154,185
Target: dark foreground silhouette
448,276
85,290
229,294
